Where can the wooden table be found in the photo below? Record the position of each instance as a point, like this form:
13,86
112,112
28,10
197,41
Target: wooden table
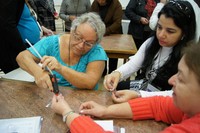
119,46
25,99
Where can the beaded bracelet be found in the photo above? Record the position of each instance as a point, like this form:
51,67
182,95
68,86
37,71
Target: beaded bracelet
66,115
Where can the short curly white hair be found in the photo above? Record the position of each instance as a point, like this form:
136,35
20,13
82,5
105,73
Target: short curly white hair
94,20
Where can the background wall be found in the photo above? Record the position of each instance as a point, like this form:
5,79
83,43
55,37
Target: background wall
123,2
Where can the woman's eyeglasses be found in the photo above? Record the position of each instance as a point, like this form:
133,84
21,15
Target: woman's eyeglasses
78,39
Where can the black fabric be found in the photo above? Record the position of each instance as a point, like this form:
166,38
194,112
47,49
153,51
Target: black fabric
104,9
163,75
112,65
134,11
10,40
45,11
123,85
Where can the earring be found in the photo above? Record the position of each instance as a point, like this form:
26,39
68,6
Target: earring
182,37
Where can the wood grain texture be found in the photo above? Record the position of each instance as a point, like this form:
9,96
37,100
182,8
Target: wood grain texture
24,99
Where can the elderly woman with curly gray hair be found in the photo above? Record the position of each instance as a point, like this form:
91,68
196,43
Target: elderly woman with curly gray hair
76,59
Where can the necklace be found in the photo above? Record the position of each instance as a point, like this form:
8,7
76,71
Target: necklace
68,65
152,71
158,61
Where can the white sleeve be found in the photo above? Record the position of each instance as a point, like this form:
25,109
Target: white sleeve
156,93
154,17
197,14
135,62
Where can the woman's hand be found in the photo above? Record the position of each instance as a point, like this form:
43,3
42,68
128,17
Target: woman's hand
124,96
144,21
92,108
51,62
111,80
71,17
43,80
59,105
47,32
56,15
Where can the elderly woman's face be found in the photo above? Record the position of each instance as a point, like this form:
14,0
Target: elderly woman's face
186,89
83,39
101,2
167,32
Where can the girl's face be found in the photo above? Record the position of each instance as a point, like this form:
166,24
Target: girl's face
167,32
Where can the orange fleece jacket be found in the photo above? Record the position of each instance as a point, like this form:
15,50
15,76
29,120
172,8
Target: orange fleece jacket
158,108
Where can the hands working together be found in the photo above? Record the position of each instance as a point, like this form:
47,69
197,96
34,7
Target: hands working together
42,77
91,108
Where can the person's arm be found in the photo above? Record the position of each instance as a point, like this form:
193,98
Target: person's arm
88,79
129,12
135,62
63,11
158,107
46,31
29,59
95,65
28,62
154,17
116,18
122,110
88,5
125,71
76,123
126,95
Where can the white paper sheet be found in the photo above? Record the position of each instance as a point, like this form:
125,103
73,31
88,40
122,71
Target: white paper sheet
21,125
108,126
19,74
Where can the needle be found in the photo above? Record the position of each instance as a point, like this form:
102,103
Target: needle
114,92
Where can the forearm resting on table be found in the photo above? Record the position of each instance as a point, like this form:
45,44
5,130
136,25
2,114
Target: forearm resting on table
122,110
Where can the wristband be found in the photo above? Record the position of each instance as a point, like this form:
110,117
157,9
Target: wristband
66,115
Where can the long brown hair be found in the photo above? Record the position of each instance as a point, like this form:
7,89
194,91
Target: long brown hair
191,56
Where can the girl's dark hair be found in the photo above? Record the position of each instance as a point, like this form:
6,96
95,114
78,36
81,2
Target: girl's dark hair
183,15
